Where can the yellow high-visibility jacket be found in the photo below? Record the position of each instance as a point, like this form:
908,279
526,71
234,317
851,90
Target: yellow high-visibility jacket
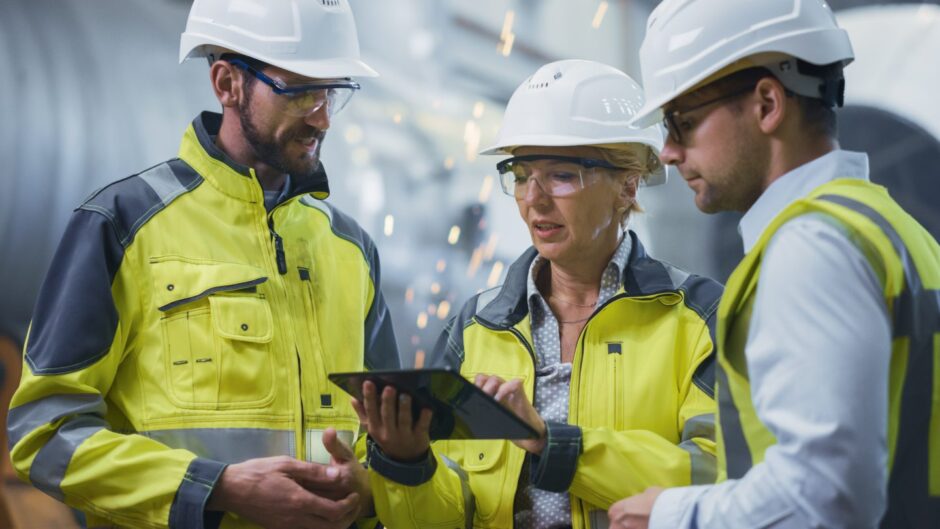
906,259
641,407
182,327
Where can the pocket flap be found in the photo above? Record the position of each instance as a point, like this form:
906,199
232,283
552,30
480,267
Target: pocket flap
178,280
482,454
245,318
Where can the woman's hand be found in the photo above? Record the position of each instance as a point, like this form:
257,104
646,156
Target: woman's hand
512,395
390,423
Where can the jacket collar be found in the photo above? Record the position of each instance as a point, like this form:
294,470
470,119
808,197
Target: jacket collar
198,149
643,276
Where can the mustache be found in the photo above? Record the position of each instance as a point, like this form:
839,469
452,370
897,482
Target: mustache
308,132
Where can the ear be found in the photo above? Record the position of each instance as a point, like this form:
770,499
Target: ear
226,83
628,190
772,104
627,195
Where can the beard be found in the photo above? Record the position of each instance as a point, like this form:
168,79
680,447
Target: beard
273,151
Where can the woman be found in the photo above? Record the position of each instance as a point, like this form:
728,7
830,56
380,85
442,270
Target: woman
615,346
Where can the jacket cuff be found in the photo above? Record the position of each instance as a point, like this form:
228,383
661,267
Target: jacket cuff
411,474
189,506
554,469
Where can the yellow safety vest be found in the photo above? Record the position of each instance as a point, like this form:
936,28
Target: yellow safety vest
907,260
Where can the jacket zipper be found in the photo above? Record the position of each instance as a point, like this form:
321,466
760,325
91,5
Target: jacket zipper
278,247
289,336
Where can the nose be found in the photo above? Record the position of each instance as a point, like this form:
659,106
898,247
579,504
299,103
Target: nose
672,153
319,118
534,192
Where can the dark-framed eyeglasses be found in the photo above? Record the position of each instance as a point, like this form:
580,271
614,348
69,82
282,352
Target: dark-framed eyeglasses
673,120
556,175
303,100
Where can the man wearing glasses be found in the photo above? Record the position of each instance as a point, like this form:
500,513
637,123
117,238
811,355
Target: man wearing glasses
829,370
176,367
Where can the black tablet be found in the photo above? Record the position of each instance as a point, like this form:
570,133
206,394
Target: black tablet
460,409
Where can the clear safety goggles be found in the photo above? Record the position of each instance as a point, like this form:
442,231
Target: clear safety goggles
556,176
303,100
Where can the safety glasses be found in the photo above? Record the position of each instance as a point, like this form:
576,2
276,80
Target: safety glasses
556,176
677,122
303,100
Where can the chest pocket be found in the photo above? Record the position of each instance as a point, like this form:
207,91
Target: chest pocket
217,330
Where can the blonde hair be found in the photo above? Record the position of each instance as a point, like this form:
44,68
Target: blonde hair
638,161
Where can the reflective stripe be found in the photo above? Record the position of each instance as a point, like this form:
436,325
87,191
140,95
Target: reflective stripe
228,445
30,416
737,452
52,460
703,466
599,519
469,502
316,452
917,317
163,182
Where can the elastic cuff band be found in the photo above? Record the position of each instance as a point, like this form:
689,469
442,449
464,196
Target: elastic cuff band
554,469
411,474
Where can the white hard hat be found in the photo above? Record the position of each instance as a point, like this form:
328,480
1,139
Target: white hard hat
688,41
313,38
574,102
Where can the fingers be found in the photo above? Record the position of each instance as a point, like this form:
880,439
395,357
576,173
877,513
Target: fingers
488,383
511,390
325,508
389,408
405,422
360,411
370,405
340,451
423,426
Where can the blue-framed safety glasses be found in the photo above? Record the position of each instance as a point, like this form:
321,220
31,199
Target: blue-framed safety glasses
556,175
303,100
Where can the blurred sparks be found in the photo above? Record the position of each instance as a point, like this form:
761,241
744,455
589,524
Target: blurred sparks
441,265
397,118
507,37
471,137
454,235
475,260
443,309
478,109
353,134
490,248
486,189
435,288
389,225
419,359
495,274
599,15
409,295
422,319
449,163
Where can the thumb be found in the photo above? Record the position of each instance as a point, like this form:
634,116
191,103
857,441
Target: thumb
340,451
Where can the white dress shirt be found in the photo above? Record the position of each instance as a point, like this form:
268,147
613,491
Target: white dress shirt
818,353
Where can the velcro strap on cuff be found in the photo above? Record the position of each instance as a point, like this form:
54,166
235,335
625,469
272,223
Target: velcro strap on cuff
554,469
411,474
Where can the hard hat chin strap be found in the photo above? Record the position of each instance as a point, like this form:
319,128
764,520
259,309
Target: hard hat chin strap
824,82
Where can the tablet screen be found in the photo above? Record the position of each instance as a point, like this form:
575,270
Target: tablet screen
460,409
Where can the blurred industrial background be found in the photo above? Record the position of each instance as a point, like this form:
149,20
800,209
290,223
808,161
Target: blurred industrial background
90,91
